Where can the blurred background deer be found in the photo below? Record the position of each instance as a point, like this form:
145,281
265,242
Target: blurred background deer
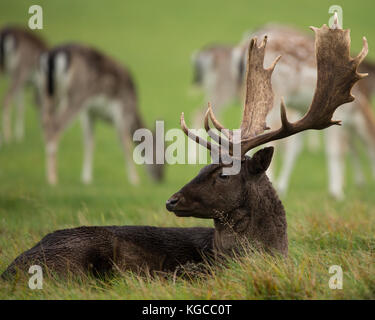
20,50
79,81
219,71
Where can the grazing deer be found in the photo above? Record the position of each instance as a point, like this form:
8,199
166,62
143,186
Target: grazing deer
245,207
78,80
20,50
298,66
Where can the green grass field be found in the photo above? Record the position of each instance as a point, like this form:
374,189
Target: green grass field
155,40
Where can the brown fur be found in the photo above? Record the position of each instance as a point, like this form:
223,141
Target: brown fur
102,251
244,207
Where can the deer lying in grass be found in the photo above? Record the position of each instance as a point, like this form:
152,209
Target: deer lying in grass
78,80
244,207
219,71
20,50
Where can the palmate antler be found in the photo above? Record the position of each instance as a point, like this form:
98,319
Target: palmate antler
337,73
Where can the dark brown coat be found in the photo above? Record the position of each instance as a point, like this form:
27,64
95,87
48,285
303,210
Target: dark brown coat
105,250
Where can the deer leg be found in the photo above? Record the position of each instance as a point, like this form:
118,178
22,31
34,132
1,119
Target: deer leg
293,147
54,125
18,80
127,144
6,119
51,152
128,148
87,123
335,158
68,109
20,121
7,104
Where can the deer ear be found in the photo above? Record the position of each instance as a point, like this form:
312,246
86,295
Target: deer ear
260,161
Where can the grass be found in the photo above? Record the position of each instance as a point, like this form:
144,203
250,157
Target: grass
156,40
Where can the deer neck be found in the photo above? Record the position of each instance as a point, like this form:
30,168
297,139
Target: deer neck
259,221
231,231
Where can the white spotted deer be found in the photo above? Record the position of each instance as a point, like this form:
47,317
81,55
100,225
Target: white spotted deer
245,207
81,81
20,50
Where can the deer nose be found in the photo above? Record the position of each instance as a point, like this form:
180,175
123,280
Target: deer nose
171,203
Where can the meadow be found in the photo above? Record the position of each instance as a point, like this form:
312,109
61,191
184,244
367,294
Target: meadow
155,40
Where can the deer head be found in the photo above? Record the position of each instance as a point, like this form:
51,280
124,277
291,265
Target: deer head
247,201
212,194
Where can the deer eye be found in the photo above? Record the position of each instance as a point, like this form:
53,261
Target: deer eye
223,176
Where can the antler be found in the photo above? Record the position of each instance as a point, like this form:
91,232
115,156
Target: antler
337,73
259,94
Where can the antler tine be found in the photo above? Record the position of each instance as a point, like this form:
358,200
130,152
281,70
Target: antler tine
209,131
284,119
194,137
361,56
337,73
216,122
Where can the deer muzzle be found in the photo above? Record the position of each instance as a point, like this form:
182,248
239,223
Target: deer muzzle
172,202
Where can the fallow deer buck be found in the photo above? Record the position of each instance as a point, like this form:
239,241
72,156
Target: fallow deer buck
20,50
244,207
78,80
219,70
